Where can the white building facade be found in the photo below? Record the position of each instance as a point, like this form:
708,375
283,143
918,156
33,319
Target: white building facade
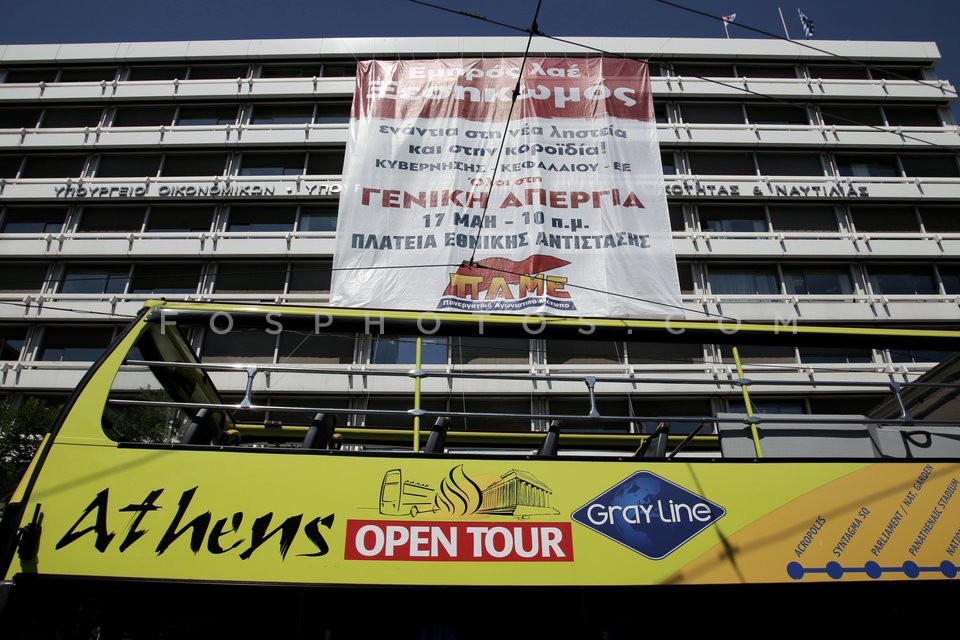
803,187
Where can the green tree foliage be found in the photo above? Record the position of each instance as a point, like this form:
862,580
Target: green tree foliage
22,427
144,423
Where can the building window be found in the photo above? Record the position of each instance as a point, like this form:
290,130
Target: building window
154,73
70,117
88,74
837,71
661,353
739,219
950,278
874,166
199,116
310,276
73,343
30,76
128,166
686,277
250,277
803,218
95,279
10,166
44,166
930,165
758,354
182,219
897,72
918,356
668,162
793,164
12,340
731,163
899,280
584,352
255,346
884,219
743,280
852,115
19,118
660,113
316,348
675,211
22,276
33,219
769,406
940,219
313,70
385,349
271,164
332,113
143,116
217,72
325,162
766,71
166,278
520,407
479,351
831,355
703,70
913,116
111,219
309,70
776,114
711,113
820,280
323,219
194,164
261,218
282,114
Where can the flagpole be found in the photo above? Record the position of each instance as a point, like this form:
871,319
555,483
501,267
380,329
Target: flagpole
725,29
783,22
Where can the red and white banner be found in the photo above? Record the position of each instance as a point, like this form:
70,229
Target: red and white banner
457,197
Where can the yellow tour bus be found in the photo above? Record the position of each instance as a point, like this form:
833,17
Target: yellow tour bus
323,472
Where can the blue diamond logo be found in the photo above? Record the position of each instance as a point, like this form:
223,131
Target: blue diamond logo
649,514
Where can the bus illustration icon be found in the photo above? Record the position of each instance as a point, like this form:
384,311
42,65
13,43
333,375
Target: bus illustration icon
399,497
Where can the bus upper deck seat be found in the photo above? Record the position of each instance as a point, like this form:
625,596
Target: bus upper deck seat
655,446
320,435
207,428
438,436
551,442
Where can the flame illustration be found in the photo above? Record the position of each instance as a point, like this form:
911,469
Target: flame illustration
509,270
458,494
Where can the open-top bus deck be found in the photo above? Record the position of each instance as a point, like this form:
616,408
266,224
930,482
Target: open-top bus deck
172,500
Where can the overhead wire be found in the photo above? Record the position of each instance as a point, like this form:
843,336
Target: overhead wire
506,127
535,30
801,43
742,89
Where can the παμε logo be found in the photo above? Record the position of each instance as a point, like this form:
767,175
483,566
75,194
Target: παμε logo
649,514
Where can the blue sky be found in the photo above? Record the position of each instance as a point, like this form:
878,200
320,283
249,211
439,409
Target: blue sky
48,21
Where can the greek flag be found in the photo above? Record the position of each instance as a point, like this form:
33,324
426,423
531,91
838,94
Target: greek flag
807,24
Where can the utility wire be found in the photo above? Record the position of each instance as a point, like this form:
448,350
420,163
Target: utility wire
927,83
900,135
506,127
535,30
